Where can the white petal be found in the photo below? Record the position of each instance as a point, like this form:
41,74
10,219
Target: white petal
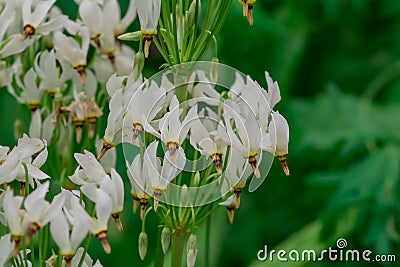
59,230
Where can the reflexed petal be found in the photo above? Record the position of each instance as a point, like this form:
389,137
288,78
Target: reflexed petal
15,45
6,250
90,165
59,230
279,133
35,127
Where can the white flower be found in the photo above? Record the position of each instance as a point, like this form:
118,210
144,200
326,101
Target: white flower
88,262
92,16
109,160
7,15
149,13
41,129
91,173
210,143
14,215
5,74
31,94
6,250
13,45
69,49
161,176
39,212
146,102
139,177
236,174
98,226
120,97
173,131
248,138
77,112
34,22
203,91
50,75
27,148
114,187
120,63
230,204
112,12
279,136
3,153
68,231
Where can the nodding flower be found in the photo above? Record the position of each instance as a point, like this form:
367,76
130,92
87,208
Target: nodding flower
35,22
209,142
71,50
237,172
247,137
279,135
98,226
114,187
68,228
146,102
149,13
172,131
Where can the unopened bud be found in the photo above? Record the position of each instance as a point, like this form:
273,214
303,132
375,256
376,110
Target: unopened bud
130,36
143,245
138,65
214,71
191,13
18,129
192,246
196,179
184,196
165,239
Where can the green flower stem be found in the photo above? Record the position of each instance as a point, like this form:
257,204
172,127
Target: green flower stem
32,245
25,260
46,242
177,244
162,50
40,247
207,242
144,219
175,31
201,218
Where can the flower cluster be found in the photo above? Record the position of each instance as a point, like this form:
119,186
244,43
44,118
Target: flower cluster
191,139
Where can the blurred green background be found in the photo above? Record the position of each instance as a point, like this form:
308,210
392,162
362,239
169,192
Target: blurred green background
338,66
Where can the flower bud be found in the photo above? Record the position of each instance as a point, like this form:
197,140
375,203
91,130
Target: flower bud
214,70
138,65
143,245
165,239
191,13
18,131
192,250
130,36
196,179
184,196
